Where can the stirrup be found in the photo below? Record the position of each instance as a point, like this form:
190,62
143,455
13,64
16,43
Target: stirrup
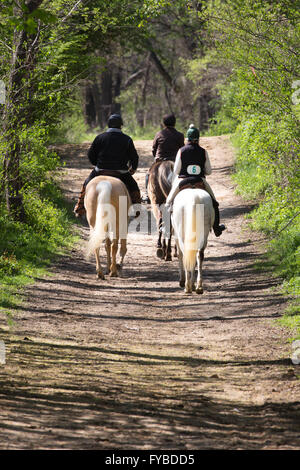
146,200
79,211
219,230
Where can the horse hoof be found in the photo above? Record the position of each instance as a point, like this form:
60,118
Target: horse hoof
199,290
168,258
100,276
160,253
113,274
182,283
188,291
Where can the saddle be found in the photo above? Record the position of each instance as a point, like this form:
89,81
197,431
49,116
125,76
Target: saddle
135,195
114,173
191,183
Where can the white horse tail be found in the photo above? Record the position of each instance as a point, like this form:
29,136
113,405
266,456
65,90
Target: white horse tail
105,217
190,238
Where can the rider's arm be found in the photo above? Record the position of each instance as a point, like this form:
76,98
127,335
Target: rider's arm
133,155
94,151
207,168
155,146
177,164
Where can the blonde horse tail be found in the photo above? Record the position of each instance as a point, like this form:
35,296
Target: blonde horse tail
190,248
104,219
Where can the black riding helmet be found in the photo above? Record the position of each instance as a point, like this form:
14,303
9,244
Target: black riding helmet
115,120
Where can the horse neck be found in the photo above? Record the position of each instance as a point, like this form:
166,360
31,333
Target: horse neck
166,176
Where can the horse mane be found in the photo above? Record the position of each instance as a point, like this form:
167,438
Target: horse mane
165,173
160,181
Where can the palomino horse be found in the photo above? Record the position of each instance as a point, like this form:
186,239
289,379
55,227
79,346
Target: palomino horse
106,202
192,219
159,186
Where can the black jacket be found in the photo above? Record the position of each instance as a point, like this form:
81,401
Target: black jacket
113,150
192,154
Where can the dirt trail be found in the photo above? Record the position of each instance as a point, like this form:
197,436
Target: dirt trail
134,363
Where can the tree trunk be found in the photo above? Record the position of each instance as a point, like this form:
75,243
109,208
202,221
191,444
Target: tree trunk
18,112
89,111
106,97
144,92
91,104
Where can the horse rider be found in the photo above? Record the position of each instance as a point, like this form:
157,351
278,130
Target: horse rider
113,154
165,145
191,165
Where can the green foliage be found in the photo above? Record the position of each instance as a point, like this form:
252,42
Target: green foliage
259,39
72,129
45,52
26,250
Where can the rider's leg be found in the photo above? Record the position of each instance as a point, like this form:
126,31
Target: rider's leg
79,209
133,189
174,191
218,229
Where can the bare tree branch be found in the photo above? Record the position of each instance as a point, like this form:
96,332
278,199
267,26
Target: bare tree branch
71,11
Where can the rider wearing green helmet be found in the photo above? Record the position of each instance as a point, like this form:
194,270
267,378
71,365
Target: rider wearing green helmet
192,164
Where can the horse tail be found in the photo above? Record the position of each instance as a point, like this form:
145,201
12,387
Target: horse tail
190,244
166,176
104,221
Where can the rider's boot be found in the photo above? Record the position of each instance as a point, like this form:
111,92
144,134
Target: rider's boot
145,198
136,199
171,196
217,228
79,209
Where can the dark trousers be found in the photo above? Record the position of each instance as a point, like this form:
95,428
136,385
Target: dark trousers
126,178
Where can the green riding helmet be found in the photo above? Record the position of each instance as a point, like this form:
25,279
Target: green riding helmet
192,133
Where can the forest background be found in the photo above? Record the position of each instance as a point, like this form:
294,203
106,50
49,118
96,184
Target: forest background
228,66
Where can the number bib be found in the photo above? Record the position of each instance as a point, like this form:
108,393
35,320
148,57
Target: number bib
194,170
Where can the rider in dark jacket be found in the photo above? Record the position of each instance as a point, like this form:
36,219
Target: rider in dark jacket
168,141
165,145
112,153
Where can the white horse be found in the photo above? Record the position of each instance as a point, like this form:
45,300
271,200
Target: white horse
192,219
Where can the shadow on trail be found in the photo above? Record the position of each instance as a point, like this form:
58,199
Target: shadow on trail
236,211
124,410
245,294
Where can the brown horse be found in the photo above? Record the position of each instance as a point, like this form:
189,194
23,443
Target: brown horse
159,186
106,202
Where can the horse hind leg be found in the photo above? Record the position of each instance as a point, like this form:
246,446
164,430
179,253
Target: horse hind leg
181,270
113,266
160,250
99,271
200,258
189,281
168,256
108,255
123,251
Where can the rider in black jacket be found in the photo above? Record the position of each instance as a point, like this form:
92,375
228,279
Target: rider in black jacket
112,153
